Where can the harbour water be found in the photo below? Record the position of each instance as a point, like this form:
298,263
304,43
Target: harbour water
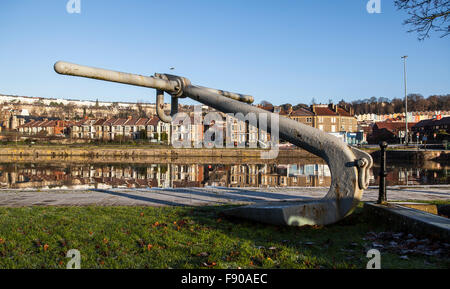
187,173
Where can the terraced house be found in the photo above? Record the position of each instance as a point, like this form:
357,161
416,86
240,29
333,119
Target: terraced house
120,128
45,127
330,118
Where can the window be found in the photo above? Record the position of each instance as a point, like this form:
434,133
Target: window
333,128
321,127
320,119
333,120
309,119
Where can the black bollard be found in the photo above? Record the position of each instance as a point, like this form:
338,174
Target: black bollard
382,186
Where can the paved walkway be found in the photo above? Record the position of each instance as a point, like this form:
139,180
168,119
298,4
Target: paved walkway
198,196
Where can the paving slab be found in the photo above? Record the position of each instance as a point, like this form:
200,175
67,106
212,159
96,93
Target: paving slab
198,196
412,220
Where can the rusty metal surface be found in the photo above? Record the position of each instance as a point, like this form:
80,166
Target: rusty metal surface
114,76
236,96
160,107
349,166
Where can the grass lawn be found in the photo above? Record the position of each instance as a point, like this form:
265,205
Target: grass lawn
183,237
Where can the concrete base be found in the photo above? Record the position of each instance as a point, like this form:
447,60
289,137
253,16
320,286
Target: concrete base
268,212
429,208
291,213
410,220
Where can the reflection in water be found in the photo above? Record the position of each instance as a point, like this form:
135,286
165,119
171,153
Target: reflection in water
69,175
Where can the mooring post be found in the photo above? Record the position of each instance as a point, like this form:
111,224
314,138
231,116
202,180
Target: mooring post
382,185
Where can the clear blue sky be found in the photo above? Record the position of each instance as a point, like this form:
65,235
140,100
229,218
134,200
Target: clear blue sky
280,51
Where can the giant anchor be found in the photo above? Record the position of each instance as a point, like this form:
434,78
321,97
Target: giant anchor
349,166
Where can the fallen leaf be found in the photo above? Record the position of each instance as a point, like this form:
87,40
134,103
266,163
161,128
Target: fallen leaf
46,247
376,245
209,264
149,247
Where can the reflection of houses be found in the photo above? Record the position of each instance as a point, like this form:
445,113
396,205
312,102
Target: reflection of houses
310,175
104,175
266,175
245,175
197,175
165,175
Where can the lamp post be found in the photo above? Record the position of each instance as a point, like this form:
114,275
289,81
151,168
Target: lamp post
406,100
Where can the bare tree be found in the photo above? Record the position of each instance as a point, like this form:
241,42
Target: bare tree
426,16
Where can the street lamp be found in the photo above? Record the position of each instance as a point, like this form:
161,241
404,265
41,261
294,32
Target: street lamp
406,100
